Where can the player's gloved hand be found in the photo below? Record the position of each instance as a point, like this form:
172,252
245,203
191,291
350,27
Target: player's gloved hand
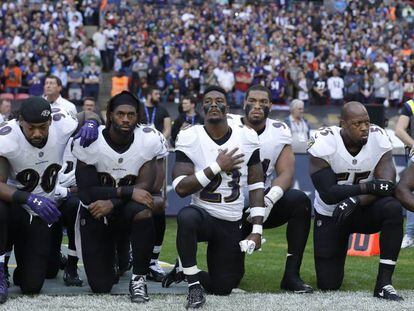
344,210
61,192
88,133
45,208
380,187
66,180
228,160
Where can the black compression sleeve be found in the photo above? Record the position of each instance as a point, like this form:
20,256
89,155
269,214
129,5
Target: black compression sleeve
254,158
89,189
329,191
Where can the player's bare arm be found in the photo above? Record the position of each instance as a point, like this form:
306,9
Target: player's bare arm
285,168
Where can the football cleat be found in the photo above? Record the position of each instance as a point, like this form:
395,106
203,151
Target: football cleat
155,272
72,280
408,241
3,285
295,285
195,298
387,292
176,275
138,290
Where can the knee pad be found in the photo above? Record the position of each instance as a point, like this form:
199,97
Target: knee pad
142,215
392,210
187,217
31,289
101,288
223,286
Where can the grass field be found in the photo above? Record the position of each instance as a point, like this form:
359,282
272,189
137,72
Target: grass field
264,269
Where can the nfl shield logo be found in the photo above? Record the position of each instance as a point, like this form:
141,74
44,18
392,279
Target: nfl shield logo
354,162
120,160
319,223
82,221
41,154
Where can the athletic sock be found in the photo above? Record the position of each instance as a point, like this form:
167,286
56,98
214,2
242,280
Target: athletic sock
385,272
72,265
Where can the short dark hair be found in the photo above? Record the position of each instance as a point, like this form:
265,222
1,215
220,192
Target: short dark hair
88,98
216,88
56,78
114,101
259,87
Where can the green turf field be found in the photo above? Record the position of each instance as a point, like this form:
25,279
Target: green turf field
264,269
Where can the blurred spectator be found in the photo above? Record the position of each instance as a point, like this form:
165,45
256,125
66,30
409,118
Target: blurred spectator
99,39
320,89
188,116
298,125
366,88
156,115
243,80
277,88
225,79
5,110
89,104
352,81
119,83
408,87
396,91
60,72
92,75
303,92
13,77
381,91
52,90
336,88
35,80
75,78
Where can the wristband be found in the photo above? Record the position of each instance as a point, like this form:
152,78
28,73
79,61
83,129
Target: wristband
275,194
126,192
20,197
258,229
177,181
258,185
215,168
202,178
257,211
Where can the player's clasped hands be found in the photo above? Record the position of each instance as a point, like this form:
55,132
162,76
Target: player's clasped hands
229,160
143,197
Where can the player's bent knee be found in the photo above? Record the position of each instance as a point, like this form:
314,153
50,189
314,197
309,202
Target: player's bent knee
328,285
392,210
187,217
224,286
143,215
32,288
102,287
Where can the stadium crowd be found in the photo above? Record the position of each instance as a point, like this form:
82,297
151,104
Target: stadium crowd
295,49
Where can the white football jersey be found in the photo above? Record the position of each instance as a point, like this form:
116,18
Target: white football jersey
222,197
273,139
328,145
120,169
35,169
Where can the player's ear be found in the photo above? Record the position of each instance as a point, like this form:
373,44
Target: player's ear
341,123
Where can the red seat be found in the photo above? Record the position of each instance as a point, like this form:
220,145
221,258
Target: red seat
21,96
8,96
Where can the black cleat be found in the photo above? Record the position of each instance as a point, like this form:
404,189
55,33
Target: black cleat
295,285
138,290
3,285
63,262
155,272
72,280
195,298
174,276
387,292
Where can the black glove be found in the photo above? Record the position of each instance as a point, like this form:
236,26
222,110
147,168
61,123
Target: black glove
344,209
380,187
